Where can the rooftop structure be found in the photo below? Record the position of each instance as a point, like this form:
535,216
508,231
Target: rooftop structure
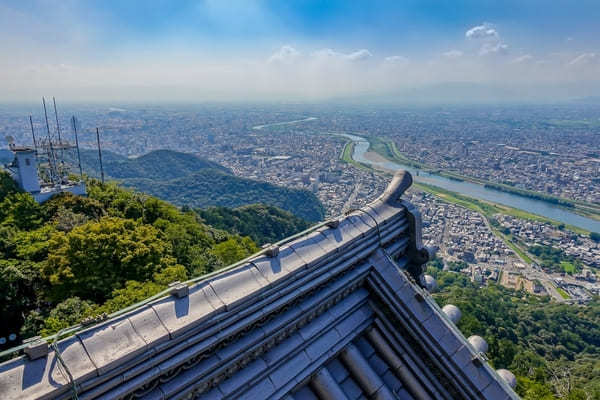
339,312
41,170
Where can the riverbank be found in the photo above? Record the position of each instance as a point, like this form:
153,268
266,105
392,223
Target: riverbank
388,150
347,157
487,208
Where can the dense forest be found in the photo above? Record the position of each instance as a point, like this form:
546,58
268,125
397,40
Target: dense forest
553,349
264,224
209,187
76,257
186,180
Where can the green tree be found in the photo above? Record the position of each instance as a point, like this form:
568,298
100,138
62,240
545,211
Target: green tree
7,185
95,258
233,250
33,245
67,313
135,291
263,223
87,206
21,211
20,283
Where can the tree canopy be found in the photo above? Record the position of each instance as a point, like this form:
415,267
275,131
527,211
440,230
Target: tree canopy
74,257
552,348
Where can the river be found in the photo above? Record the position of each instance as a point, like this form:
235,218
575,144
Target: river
478,191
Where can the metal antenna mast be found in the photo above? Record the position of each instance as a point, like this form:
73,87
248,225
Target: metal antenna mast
57,124
60,144
33,134
100,155
51,161
74,121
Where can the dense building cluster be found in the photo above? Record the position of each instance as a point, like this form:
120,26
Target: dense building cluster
550,150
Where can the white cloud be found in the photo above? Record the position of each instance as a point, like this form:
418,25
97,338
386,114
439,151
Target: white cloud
485,31
584,59
286,54
396,60
357,55
453,54
522,59
489,37
493,48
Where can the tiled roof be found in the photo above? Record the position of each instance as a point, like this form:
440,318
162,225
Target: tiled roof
336,313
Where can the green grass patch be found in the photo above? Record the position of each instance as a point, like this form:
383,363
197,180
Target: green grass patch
347,157
562,293
347,152
568,267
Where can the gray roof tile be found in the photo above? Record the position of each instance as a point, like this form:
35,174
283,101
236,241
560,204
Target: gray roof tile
288,371
305,393
242,377
189,376
148,326
155,394
263,389
343,235
181,314
276,268
391,381
235,286
364,346
22,378
278,353
348,325
161,337
310,248
112,343
495,391
322,344
337,370
351,388
213,394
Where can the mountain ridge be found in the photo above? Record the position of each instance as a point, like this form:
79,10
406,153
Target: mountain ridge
187,180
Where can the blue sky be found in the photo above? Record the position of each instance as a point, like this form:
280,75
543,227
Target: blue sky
244,49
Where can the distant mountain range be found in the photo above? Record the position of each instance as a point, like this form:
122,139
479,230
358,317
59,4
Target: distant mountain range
185,179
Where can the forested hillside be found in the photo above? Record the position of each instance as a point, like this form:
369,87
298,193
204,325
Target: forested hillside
187,180
74,257
158,164
210,187
553,349
263,223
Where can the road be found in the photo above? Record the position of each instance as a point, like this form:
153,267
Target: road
352,197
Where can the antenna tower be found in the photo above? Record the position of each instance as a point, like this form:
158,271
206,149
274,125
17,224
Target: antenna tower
50,152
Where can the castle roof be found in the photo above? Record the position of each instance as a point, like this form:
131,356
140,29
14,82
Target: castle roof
336,313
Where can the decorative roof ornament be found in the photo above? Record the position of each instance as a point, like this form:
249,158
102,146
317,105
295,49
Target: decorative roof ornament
452,312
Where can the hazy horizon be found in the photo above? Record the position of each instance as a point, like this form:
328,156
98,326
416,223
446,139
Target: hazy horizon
209,50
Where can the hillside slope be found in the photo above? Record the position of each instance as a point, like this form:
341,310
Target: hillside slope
263,223
187,180
210,187
158,164
74,257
